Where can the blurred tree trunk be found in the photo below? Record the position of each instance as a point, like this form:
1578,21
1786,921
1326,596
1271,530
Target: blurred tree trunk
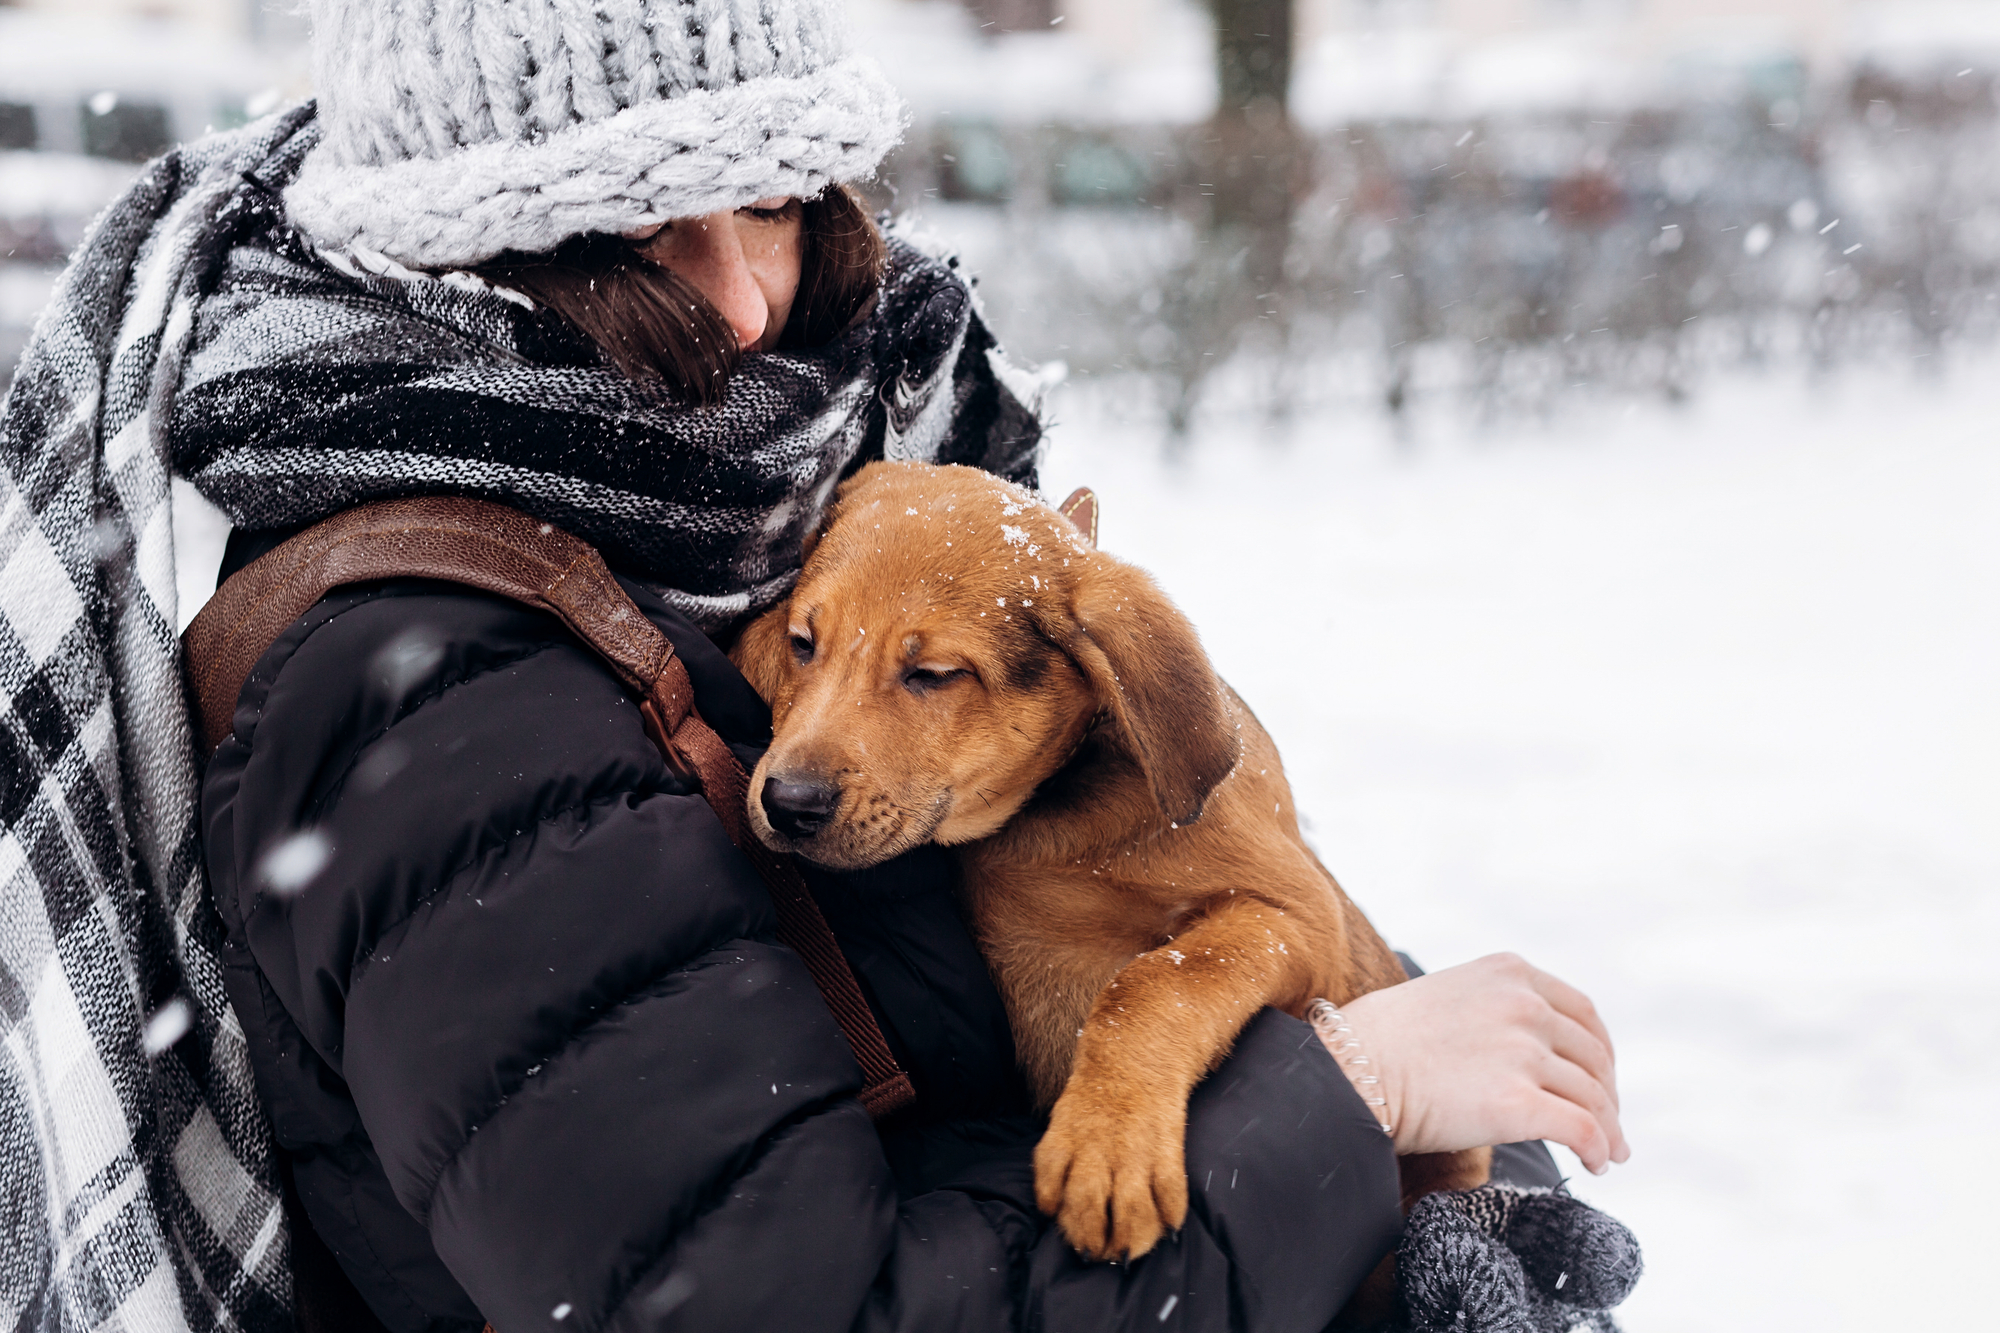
1253,55
1252,153
1242,175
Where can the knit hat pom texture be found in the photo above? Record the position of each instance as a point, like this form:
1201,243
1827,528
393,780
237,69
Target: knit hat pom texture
455,130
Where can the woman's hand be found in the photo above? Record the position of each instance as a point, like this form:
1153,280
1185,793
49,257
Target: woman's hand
1492,1051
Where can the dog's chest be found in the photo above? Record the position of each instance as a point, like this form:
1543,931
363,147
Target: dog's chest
1074,918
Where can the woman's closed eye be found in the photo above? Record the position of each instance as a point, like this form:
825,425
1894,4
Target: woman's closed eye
771,210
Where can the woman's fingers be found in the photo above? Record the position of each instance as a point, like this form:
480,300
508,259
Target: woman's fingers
1572,1004
1580,1046
1490,1052
1576,1129
1579,1089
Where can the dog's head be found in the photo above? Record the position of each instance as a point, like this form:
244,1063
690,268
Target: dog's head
949,643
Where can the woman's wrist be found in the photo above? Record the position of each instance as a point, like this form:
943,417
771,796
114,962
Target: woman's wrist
1344,1044
1492,1051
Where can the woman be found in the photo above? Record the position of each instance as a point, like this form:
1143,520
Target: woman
527,1048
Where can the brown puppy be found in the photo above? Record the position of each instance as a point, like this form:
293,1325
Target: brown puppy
958,665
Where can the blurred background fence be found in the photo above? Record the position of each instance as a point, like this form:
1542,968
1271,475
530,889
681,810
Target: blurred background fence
1216,210
1501,260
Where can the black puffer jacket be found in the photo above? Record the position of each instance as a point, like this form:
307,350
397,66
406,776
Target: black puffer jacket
534,1057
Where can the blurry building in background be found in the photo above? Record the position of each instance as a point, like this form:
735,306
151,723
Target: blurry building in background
1384,55
90,88
1495,201
1144,60
125,79
1501,200
277,22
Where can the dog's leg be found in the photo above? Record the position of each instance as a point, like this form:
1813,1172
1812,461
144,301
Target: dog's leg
1047,1006
1111,1168
1427,1173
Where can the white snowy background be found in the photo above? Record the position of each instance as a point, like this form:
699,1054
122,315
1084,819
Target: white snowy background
1695,708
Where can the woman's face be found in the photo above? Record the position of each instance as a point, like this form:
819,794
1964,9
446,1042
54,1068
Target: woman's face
745,262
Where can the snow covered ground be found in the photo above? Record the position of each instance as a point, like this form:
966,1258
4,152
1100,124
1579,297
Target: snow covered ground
1699,709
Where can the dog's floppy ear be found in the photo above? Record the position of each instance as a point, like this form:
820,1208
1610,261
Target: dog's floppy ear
1141,656
763,652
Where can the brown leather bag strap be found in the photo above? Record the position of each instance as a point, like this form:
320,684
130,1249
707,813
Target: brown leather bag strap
503,551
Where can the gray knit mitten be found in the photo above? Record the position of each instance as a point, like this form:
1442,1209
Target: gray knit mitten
1502,1259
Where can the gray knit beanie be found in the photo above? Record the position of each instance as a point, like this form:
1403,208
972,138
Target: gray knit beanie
457,129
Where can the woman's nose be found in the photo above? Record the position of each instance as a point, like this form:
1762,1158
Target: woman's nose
719,270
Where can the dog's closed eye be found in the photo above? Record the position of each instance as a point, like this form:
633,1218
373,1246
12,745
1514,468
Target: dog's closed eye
925,679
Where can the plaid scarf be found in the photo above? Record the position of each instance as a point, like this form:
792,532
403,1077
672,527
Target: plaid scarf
194,334
315,383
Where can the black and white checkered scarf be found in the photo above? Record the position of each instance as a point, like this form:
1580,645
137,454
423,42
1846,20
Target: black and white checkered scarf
195,335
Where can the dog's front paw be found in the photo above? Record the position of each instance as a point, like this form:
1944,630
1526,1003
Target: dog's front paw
1113,1174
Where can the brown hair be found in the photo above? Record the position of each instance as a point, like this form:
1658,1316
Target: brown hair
657,328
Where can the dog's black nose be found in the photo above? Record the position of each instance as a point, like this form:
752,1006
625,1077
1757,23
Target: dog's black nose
799,809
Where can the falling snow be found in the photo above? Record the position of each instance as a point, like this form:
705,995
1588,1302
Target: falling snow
167,1025
295,862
